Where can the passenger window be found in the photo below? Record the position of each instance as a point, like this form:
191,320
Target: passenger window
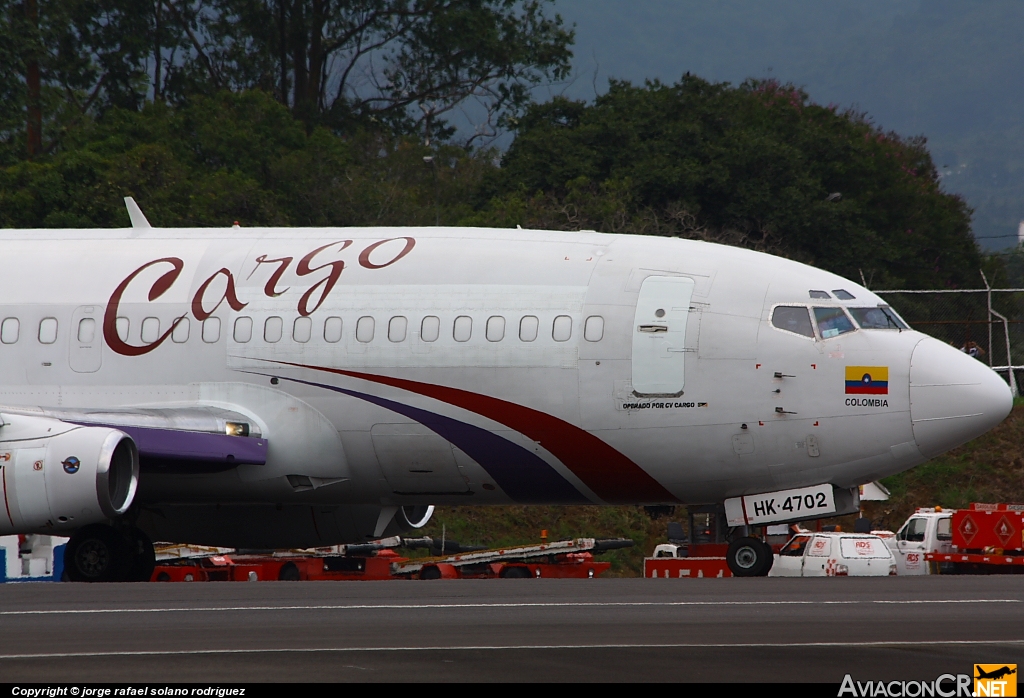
302,329
832,322
9,330
430,328
48,330
397,328
463,328
121,326
843,295
364,329
211,330
943,529
795,547
819,294
793,318
180,333
332,330
273,328
593,329
528,328
877,319
495,328
243,329
561,329
86,330
150,330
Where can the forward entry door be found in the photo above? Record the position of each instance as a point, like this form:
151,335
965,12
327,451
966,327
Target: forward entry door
659,334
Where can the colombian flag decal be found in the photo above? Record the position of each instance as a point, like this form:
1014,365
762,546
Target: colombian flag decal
867,380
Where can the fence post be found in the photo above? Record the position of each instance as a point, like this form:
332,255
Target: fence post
988,290
1009,359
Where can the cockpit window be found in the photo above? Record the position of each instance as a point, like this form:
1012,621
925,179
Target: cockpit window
843,294
793,318
819,294
877,319
832,322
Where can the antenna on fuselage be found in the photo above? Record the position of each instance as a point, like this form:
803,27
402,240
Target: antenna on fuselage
136,214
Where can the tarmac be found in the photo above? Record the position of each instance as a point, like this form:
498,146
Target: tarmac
706,630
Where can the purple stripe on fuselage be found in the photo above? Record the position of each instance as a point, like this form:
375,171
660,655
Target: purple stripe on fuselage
522,475
194,445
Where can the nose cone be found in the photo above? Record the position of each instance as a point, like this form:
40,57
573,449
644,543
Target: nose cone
953,397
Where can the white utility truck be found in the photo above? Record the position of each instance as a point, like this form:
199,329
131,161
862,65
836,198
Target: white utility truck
928,530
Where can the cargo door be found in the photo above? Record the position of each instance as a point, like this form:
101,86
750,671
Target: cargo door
659,334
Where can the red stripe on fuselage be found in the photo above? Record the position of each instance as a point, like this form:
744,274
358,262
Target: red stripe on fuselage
612,476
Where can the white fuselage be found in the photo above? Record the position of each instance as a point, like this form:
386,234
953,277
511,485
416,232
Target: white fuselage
477,366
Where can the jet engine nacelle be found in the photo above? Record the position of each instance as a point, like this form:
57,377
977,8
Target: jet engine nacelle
57,476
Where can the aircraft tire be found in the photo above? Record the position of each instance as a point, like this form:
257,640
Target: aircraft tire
769,560
747,557
97,553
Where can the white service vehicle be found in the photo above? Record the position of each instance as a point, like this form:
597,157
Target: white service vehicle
929,530
809,554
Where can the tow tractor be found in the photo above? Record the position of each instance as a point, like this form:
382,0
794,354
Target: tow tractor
379,561
701,553
982,539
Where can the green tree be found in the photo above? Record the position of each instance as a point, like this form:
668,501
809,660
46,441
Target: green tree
241,157
403,63
757,165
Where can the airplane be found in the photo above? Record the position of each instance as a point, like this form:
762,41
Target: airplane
304,387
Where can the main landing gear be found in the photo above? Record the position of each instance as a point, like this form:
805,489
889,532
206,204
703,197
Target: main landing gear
101,553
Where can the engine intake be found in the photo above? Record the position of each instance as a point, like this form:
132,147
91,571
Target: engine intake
58,477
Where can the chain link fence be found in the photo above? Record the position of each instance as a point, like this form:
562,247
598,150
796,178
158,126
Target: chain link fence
985,322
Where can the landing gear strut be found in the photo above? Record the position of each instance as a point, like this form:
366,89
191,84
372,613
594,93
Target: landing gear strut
101,553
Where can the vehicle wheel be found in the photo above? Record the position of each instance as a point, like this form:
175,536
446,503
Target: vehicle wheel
746,557
430,572
143,557
289,573
97,553
769,560
516,573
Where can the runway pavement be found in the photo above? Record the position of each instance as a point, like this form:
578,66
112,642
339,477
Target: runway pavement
907,628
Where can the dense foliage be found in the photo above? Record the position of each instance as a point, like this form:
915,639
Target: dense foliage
331,112
234,157
403,64
756,165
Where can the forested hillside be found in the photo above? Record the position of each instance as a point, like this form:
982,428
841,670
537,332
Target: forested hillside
319,114
945,69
